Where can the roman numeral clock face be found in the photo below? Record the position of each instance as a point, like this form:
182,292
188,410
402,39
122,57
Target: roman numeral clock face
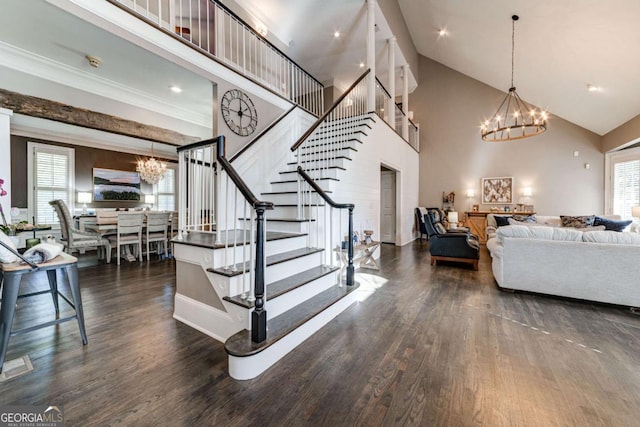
238,112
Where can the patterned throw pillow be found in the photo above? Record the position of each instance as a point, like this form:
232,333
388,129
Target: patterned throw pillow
440,228
612,224
434,214
577,221
525,218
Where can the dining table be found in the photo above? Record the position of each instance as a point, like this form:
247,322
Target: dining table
107,226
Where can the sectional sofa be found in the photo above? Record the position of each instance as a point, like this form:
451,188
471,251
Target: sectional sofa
592,265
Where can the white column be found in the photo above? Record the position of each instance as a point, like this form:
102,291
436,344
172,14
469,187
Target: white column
371,55
405,101
5,160
392,82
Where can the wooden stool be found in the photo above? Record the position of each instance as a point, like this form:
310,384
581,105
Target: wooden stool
12,276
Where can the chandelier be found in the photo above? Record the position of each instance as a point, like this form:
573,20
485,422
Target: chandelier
514,119
151,170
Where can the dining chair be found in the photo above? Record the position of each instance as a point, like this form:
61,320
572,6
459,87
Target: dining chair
128,232
157,232
73,239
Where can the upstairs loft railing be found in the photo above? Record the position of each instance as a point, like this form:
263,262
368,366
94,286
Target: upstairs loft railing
382,98
208,180
214,29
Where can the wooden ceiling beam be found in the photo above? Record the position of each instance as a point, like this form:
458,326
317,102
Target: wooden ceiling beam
52,110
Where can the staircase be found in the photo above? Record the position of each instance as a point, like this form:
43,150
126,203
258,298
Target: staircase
304,288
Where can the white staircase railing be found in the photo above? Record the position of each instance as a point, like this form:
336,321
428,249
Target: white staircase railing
213,28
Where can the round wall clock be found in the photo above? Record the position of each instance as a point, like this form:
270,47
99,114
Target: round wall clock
238,112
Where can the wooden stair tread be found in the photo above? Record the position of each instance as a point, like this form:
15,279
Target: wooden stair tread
288,205
290,181
315,169
240,344
280,287
271,260
271,219
289,192
320,160
241,237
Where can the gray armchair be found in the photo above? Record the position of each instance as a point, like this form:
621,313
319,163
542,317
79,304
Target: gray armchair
448,246
74,239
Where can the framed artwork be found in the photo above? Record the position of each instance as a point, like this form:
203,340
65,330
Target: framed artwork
528,208
475,208
109,185
497,190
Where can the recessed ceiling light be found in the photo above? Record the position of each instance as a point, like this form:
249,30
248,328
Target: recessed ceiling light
362,65
336,34
593,88
442,32
175,89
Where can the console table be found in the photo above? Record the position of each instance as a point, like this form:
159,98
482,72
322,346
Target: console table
476,221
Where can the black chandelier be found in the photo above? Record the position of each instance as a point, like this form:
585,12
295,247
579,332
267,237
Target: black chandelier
514,119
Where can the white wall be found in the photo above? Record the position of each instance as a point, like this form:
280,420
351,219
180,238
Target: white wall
5,160
450,106
360,184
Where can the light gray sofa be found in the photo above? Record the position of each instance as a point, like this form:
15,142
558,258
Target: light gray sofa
601,266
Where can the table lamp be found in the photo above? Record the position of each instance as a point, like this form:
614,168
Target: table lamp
84,197
150,200
452,217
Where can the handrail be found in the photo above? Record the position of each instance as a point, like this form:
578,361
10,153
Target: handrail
242,186
321,119
261,134
382,87
257,34
322,193
197,144
350,206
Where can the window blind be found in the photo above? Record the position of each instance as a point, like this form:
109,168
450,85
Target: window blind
165,192
626,187
51,181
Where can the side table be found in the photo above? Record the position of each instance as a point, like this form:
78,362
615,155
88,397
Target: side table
363,252
11,275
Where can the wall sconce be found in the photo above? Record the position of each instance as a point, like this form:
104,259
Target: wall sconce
527,192
471,193
84,197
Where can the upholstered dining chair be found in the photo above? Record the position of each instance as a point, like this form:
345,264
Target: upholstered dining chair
157,232
74,239
128,232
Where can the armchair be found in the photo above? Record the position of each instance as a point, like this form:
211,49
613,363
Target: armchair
457,246
74,239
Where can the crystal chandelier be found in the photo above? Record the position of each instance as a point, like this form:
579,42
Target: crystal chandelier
151,170
514,119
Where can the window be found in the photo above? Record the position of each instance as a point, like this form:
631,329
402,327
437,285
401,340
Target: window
623,185
165,191
50,176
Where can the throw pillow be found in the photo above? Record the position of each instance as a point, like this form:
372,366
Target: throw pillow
434,214
577,221
525,218
502,221
612,224
5,255
440,228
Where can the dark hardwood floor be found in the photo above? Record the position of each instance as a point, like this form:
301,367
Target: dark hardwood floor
426,346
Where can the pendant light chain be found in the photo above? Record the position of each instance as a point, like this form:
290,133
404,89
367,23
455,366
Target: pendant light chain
513,45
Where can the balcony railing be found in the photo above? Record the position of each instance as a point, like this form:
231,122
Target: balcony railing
211,27
382,98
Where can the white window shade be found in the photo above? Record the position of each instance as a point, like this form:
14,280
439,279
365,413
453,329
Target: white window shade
51,177
626,187
166,191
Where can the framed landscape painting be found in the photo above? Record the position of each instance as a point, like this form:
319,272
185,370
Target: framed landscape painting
109,185
497,190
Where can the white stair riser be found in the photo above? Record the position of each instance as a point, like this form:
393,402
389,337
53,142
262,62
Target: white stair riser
279,305
328,143
272,247
313,164
245,368
293,186
237,285
292,211
289,226
322,154
322,173
292,198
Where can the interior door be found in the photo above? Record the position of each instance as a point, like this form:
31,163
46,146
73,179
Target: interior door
388,206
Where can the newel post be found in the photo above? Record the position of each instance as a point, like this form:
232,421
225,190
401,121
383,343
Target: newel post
350,267
259,315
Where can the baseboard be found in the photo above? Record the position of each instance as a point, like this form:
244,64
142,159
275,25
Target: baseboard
204,318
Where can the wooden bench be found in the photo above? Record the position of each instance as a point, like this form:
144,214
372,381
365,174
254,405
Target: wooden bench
11,276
